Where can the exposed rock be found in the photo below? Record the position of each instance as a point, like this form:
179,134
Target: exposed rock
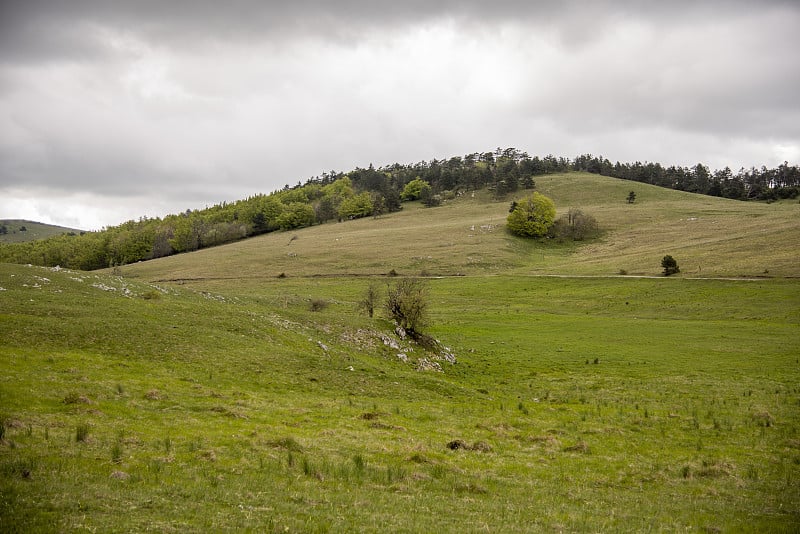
424,364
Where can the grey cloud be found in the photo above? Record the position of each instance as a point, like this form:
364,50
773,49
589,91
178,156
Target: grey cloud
205,100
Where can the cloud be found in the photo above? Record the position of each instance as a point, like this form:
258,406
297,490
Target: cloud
143,105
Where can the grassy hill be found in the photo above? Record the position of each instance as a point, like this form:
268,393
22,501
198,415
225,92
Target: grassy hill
201,392
18,230
708,236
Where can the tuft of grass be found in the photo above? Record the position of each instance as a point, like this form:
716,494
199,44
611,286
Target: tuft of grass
317,305
116,452
82,432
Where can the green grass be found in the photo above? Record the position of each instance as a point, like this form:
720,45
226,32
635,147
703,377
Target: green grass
33,231
208,411
203,392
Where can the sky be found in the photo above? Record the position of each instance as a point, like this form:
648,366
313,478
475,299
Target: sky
115,110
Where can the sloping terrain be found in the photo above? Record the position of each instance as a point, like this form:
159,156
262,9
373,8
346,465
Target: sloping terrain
242,388
709,237
17,230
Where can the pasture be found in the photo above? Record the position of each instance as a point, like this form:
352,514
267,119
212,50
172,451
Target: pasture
201,392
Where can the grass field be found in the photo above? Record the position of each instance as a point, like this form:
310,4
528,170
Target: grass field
707,236
200,392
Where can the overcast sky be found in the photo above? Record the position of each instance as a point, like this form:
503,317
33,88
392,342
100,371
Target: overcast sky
112,110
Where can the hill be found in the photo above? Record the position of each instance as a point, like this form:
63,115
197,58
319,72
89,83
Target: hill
19,231
708,236
240,388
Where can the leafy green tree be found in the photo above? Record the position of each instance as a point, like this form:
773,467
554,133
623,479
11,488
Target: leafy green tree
670,265
532,217
413,189
427,197
325,209
356,206
296,215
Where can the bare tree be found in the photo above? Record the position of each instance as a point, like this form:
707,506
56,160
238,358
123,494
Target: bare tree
407,304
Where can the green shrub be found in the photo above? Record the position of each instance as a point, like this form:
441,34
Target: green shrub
532,217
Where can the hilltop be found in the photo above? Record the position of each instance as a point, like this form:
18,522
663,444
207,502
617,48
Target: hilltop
710,237
242,387
20,230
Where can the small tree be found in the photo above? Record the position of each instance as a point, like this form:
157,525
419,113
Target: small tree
670,265
532,216
414,189
370,299
407,305
631,197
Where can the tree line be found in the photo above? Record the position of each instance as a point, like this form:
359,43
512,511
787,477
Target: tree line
746,184
363,192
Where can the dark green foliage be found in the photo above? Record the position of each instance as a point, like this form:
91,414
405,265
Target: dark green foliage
631,197
670,265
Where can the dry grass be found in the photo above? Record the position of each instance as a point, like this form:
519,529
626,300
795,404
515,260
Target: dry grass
708,236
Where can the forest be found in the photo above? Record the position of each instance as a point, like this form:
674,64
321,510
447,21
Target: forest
363,192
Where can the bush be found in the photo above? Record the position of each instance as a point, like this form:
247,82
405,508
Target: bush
669,265
575,225
407,304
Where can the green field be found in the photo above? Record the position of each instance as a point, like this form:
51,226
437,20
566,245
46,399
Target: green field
200,393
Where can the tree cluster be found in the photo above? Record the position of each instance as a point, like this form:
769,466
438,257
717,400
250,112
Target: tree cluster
332,196
747,184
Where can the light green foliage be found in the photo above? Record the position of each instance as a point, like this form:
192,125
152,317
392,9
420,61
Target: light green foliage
296,215
532,217
341,188
261,212
356,206
415,189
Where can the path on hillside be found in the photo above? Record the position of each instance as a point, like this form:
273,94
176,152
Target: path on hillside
460,275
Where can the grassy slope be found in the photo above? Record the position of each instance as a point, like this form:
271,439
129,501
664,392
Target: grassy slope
708,236
227,404
33,231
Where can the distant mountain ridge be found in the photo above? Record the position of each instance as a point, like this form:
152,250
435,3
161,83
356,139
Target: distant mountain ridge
21,230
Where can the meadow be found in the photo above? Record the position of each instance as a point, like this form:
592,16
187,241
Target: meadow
240,388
